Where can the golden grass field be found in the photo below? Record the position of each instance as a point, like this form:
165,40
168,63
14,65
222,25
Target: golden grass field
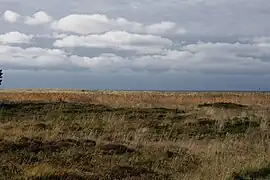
67,134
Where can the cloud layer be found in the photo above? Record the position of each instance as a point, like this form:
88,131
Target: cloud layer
208,37
148,49
215,58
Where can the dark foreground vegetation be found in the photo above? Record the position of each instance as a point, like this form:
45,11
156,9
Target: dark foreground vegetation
84,140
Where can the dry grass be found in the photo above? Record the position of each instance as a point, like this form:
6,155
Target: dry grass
138,99
130,135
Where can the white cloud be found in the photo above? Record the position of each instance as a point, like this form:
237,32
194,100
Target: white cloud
15,37
38,18
11,16
99,23
30,58
117,40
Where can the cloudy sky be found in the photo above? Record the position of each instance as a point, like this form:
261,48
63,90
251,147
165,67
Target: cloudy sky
142,44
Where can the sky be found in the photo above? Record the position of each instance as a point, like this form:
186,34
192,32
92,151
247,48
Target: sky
136,45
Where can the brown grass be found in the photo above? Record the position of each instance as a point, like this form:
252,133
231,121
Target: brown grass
134,135
131,98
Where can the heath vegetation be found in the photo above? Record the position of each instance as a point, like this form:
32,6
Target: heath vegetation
134,135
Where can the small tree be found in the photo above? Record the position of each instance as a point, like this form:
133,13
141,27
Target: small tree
1,76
